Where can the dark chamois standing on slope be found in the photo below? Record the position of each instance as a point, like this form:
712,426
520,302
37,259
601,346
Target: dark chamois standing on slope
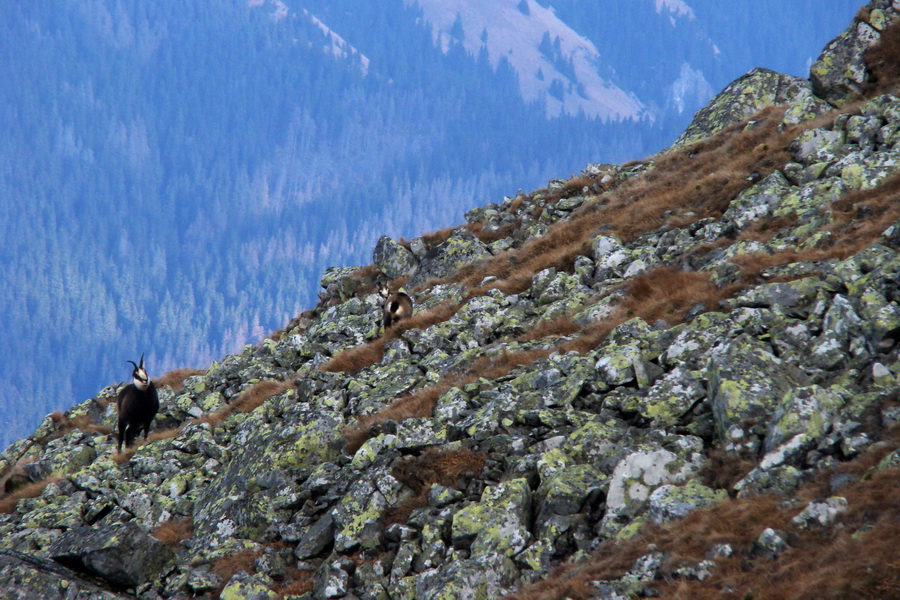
397,306
137,404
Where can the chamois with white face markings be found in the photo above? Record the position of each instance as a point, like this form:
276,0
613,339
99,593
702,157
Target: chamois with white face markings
397,306
137,404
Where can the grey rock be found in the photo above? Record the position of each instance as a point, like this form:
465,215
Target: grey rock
745,382
392,259
770,543
671,502
743,98
461,248
26,576
122,554
821,513
316,538
839,72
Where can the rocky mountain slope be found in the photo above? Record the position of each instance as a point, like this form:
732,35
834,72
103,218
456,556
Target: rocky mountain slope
670,378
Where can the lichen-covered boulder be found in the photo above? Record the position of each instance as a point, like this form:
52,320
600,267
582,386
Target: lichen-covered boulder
357,516
821,513
671,397
340,283
744,97
609,255
482,577
25,576
498,523
123,554
808,410
635,478
235,505
746,381
392,259
671,502
243,586
461,249
758,201
840,71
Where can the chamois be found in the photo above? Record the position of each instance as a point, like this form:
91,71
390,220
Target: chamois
397,306
137,404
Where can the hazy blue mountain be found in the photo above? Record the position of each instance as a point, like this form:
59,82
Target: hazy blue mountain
175,177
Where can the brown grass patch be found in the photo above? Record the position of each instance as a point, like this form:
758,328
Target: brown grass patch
883,62
33,490
227,566
175,378
125,455
417,404
66,424
296,583
372,352
724,469
247,401
571,187
172,533
438,237
450,468
487,237
684,186
560,327
517,202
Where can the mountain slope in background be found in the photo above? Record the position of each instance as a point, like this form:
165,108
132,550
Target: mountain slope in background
175,182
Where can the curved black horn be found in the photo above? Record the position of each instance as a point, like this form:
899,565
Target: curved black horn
142,360
132,362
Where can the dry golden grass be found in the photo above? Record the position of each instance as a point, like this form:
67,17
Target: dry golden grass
450,468
33,490
175,378
560,327
438,237
227,566
172,533
247,401
296,583
684,186
372,352
486,237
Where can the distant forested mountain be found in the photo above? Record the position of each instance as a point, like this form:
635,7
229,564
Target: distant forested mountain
176,176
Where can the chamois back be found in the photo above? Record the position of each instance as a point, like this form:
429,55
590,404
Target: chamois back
396,307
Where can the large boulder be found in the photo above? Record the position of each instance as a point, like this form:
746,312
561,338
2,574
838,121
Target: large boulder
743,98
746,384
26,576
393,259
122,554
460,249
840,71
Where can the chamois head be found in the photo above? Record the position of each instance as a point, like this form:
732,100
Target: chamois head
139,375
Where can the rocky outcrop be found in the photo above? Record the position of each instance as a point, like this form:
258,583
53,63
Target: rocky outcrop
594,383
839,73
